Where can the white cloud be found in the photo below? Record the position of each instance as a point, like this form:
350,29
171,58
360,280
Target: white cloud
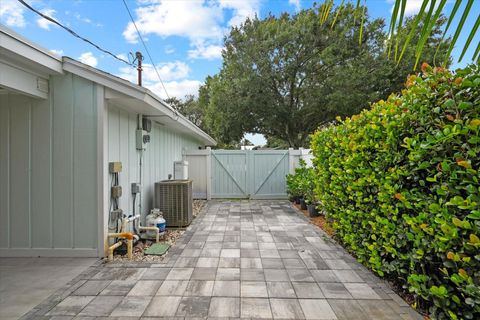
241,10
122,56
177,89
412,7
169,71
86,20
11,13
191,19
201,22
44,23
201,51
88,58
174,76
58,52
169,49
295,3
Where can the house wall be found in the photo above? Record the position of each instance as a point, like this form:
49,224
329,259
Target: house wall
48,189
165,147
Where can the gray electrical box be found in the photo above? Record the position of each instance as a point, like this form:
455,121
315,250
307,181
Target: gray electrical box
115,167
142,138
136,187
116,214
116,192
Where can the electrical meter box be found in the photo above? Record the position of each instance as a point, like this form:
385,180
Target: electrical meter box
142,138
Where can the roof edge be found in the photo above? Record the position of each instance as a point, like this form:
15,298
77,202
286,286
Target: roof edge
25,49
134,91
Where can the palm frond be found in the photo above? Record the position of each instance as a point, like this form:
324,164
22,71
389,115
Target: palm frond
470,38
399,26
338,12
476,54
361,25
329,5
429,23
391,29
458,30
356,11
449,22
413,29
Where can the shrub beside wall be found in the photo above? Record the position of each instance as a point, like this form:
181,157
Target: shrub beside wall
401,185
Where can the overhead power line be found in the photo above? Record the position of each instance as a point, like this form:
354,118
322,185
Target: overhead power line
73,32
146,49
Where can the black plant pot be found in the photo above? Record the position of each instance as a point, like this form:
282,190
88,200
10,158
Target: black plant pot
297,200
303,204
312,210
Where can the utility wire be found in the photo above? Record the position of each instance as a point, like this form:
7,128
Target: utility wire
146,49
73,32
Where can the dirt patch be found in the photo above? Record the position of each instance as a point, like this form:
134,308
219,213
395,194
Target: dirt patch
170,237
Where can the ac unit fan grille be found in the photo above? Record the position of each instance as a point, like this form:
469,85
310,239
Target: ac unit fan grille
174,199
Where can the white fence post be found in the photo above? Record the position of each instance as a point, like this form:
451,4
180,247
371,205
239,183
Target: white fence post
291,161
209,173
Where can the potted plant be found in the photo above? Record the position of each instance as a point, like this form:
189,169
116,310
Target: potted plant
309,192
313,210
293,188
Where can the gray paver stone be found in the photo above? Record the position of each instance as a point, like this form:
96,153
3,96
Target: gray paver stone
193,307
286,309
317,309
224,307
255,308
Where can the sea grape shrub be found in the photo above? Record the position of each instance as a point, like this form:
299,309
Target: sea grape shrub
301,183
400,184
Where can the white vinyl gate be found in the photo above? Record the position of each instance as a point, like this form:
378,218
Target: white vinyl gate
244,174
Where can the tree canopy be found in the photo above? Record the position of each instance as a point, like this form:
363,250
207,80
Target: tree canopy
285,76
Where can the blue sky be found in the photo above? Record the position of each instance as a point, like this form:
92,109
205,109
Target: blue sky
183,37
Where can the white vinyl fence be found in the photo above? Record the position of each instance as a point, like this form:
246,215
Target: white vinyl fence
247,174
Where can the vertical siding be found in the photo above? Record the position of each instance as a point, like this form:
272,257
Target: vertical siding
48,192
165,147
4,171
20,177
84,164
41,175
62,162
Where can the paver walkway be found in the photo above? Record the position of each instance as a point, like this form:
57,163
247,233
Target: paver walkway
239,259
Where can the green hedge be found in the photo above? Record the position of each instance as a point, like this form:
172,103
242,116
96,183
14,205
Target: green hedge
400,184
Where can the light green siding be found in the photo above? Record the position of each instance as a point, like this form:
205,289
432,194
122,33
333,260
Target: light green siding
48,194
166,146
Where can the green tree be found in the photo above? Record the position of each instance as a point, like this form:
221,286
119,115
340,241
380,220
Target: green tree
190,108
285,76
